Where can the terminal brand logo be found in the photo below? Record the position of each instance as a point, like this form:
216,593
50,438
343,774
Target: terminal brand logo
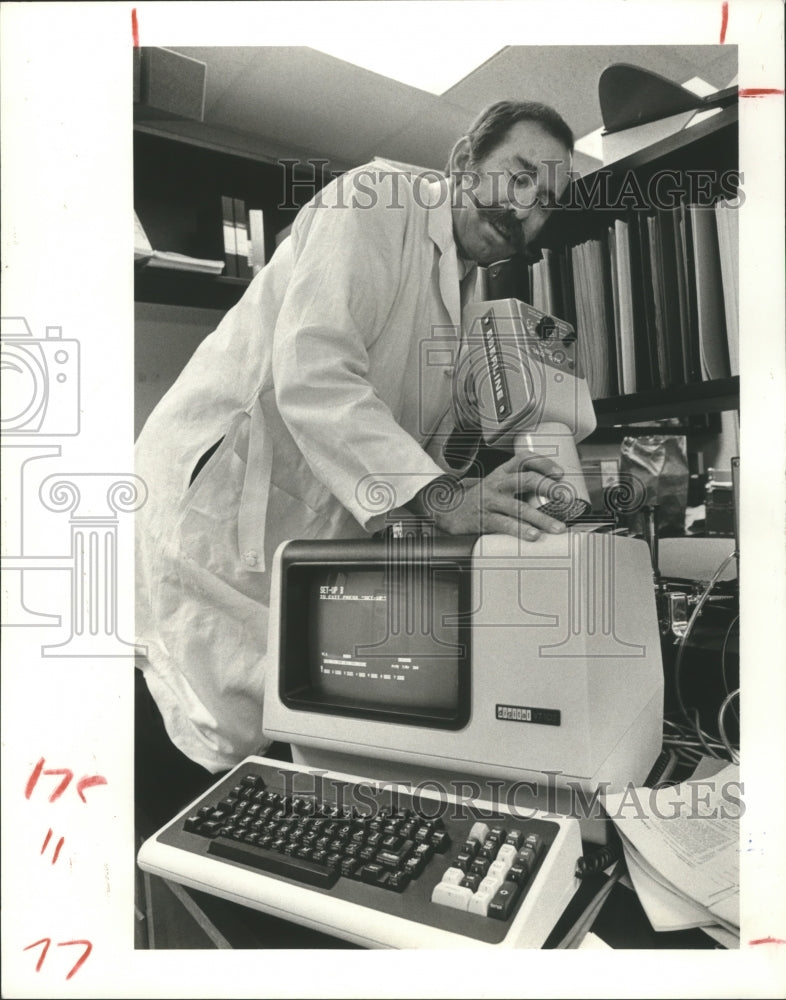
524,713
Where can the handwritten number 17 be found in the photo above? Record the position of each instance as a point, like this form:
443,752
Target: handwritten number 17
88,781
61,944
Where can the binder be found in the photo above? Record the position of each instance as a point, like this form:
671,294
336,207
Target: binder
228,230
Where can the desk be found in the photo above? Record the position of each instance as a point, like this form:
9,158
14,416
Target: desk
177,917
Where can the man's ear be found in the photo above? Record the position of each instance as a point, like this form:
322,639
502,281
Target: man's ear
461,156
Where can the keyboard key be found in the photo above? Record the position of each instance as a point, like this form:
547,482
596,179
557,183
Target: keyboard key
463,861
515,838
398,881
483,895
408,829
256,781
480,866
518,873
499,869
455,896
394,858
349,866
507,853
453,876
424,851
527,856
471,881
535,843
440,841
414,866
300,869
371,873
489,850
478,832
501,906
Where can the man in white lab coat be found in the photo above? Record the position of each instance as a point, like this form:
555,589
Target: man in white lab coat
317,397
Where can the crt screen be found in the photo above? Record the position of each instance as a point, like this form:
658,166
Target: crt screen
385,639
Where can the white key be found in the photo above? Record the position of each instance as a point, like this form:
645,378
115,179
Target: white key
503,863
479,832
507,853
499,870
456,896
453,876
484,893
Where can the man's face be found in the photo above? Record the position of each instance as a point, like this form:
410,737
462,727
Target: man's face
502,203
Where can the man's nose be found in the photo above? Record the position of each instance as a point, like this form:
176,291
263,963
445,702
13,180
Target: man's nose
531,220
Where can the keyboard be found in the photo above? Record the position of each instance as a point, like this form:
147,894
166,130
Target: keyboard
378,864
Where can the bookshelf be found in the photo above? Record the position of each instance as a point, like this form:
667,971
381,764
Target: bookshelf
698,163
179,181
180,177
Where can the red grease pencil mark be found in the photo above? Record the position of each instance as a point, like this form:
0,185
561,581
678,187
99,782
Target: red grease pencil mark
758,91
768,940
89,782
58,847
45,942
724,20
80,961
31,781
135,27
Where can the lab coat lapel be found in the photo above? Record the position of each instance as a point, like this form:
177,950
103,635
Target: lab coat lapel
440,229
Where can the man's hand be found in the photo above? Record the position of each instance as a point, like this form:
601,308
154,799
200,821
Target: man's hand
490,505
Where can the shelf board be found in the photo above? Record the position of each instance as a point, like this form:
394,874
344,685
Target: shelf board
727,118
187,288
676,401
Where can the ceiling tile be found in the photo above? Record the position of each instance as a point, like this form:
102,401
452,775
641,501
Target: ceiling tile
303,99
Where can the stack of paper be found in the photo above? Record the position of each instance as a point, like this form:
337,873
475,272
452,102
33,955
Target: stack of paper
144,253
682,850
181,262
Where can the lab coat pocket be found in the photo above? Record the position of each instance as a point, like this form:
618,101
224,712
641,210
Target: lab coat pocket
206,531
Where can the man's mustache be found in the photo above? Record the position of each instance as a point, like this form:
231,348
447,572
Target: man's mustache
506,221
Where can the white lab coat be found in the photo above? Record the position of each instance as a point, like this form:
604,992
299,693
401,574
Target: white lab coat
323,381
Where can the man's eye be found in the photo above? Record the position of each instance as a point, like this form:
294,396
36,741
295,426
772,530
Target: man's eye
524,178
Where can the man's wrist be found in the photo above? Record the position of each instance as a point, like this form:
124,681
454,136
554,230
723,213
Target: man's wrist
439,496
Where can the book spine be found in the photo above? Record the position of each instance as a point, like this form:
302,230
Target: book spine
241,238
228,229
256,236
729,246
692,350
627,328
713,342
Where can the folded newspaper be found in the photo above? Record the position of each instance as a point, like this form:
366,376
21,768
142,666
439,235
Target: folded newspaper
681,846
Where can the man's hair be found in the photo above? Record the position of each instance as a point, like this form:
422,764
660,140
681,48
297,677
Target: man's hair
493,124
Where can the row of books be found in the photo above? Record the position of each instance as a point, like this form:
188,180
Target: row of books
244,238
654,298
